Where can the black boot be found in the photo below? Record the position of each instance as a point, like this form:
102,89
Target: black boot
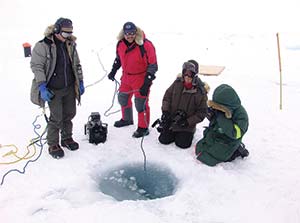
122,123
56,151
70,144
140,132
243,151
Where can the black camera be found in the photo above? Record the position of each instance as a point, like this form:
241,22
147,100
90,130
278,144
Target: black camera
162,125
95,129
179,116
165,124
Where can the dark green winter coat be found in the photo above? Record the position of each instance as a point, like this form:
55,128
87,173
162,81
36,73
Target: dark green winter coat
192,101
226,128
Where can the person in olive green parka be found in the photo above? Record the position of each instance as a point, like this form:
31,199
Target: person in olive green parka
222,139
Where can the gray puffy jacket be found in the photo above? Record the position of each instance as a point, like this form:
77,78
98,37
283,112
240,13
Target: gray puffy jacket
43,62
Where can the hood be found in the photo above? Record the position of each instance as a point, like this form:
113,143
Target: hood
139,38
226,96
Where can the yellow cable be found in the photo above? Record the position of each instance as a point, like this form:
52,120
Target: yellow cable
14,153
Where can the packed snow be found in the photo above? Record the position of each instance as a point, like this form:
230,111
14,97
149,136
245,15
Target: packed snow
263,187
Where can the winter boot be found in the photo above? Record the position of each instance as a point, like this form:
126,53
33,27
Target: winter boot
56,151
243,151
140,132
122,123
70,144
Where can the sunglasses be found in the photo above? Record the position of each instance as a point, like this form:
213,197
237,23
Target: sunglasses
66,34
129,33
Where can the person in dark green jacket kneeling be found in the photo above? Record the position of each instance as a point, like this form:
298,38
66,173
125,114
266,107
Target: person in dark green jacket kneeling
222,139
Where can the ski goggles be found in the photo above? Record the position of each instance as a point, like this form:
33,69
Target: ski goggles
66,34
129,33
188,66
188,74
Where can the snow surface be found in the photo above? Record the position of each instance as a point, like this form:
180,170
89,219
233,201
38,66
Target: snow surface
240,35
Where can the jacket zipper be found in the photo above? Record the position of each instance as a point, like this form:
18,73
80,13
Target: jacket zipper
65,65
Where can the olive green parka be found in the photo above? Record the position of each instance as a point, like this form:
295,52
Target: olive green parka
226,128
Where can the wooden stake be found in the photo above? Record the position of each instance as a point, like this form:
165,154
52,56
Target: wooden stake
280,73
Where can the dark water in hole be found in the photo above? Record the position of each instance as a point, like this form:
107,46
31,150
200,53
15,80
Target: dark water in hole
132,182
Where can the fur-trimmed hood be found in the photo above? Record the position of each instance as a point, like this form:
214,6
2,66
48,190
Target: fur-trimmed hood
219,107
50,31
139,38
225,99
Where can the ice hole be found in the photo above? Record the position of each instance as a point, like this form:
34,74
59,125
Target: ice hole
132,182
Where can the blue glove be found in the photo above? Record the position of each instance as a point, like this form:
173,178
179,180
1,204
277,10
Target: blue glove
81,87
46,95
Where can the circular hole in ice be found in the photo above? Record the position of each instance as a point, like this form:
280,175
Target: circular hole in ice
133,182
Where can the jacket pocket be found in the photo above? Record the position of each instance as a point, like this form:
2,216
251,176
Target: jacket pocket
35,94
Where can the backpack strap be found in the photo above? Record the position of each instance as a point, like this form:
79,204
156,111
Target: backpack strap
143,50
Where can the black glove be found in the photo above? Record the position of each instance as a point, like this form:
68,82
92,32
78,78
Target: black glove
144,89
147,83
210,113
165,116
115,68
111,75
183,123
180,118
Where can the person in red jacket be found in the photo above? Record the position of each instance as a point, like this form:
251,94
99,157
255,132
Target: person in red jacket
137,57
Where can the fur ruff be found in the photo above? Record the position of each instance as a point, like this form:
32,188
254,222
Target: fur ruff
139,38
219,107
206,87
50,31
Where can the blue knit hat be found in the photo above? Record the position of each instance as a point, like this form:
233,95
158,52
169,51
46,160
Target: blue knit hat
129,27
